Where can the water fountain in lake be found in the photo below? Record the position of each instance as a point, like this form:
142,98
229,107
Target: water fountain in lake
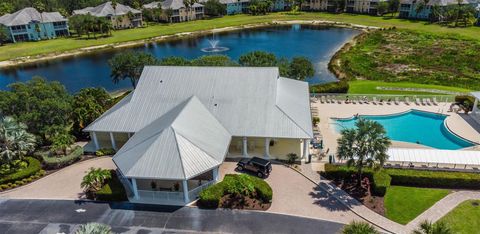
214,48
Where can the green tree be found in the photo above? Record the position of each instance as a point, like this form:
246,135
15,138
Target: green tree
301,68
174,61
95,179
260,7
215,8
129,65
94,228
427,227
39,104
6,8
359,228
258,59
382,8
365,145
168,14
88,104
188,6
62,142
15,141
393,6
214,60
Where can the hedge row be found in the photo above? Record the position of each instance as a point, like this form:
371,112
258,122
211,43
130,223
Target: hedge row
210,197
105,151
55,162
408,177
33,167
333,87
23,181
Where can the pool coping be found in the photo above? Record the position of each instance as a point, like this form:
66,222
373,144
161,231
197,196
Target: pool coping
413,110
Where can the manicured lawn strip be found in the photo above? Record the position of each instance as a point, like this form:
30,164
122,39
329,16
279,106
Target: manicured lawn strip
403,204
465,218
370,87
11,51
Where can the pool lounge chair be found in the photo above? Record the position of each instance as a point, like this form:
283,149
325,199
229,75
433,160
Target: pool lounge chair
434,101
322,99
339,101
365,100
354,100
427,100
396,101
423,101
417,101
327,99
407,101
374,100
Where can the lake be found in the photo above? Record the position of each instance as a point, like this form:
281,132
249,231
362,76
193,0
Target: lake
318,43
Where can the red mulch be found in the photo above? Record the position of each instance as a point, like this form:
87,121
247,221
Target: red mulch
362,193
244,203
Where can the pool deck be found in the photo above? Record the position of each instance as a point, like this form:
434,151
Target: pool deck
461,124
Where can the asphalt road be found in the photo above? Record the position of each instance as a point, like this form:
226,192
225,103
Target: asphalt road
54,216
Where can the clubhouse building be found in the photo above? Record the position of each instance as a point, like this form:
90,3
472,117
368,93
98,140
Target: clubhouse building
177,127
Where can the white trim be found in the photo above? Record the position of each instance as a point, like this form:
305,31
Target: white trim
135,189
267,147
186,199
95,140
112,140
245,147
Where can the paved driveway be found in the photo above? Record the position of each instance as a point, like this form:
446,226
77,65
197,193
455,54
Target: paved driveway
43,216
295,195
63,184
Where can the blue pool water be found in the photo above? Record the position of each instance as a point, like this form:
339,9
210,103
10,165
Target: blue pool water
414,126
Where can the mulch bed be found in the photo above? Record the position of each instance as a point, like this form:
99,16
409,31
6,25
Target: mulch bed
247,203
362,193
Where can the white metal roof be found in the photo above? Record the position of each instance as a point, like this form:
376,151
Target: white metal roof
476,94
106,9
183,143
29,14
459,157
247,101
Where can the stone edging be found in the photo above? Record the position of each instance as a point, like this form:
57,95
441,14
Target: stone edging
54,173
90,49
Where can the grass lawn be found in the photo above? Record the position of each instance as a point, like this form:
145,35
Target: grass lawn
370,87
403,204
11,51
465,218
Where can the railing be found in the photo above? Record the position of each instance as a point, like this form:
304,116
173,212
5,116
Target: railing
19,31
384,97
160,196
193,194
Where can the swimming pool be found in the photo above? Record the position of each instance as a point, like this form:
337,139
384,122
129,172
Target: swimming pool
414,126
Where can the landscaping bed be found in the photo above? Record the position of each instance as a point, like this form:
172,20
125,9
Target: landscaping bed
237,192
32,172
112,190
400,194
52,162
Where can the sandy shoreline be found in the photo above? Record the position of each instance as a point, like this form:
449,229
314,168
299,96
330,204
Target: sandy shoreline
91,49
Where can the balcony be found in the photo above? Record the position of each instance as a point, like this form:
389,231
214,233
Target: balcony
19,31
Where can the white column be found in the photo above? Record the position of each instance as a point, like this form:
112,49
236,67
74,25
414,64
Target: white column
129,135
186,199
112,139
267,147
95,141
306,148
245,150
134,187
215,173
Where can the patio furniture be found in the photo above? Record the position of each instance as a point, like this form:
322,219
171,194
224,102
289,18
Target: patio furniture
427,100
381,101
407,101
354,101
396,101
374,101
417,101
423,101
365,100
389,101
434,101
322,99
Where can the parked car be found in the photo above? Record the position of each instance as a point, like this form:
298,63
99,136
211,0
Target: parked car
259,166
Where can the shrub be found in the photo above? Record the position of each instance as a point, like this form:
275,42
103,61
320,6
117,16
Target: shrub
243,184
381,181
466,101
55,162
359,228
94,228
438,179
291,158
112,190
105,151
334,87
33,167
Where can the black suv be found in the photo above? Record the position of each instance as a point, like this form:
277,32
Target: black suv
260,166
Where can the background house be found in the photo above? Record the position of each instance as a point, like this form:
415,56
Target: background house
30,25
120,15
180,13
416,9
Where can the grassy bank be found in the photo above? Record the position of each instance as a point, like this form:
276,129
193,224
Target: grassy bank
465,218
12,51
403,204
414,57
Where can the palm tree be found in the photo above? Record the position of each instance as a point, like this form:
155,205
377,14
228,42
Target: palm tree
15,141
427,227
94,228
95,179
62,142
364,145
359,228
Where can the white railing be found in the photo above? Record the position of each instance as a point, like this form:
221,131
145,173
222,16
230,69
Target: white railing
193,194
384,97
160,196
